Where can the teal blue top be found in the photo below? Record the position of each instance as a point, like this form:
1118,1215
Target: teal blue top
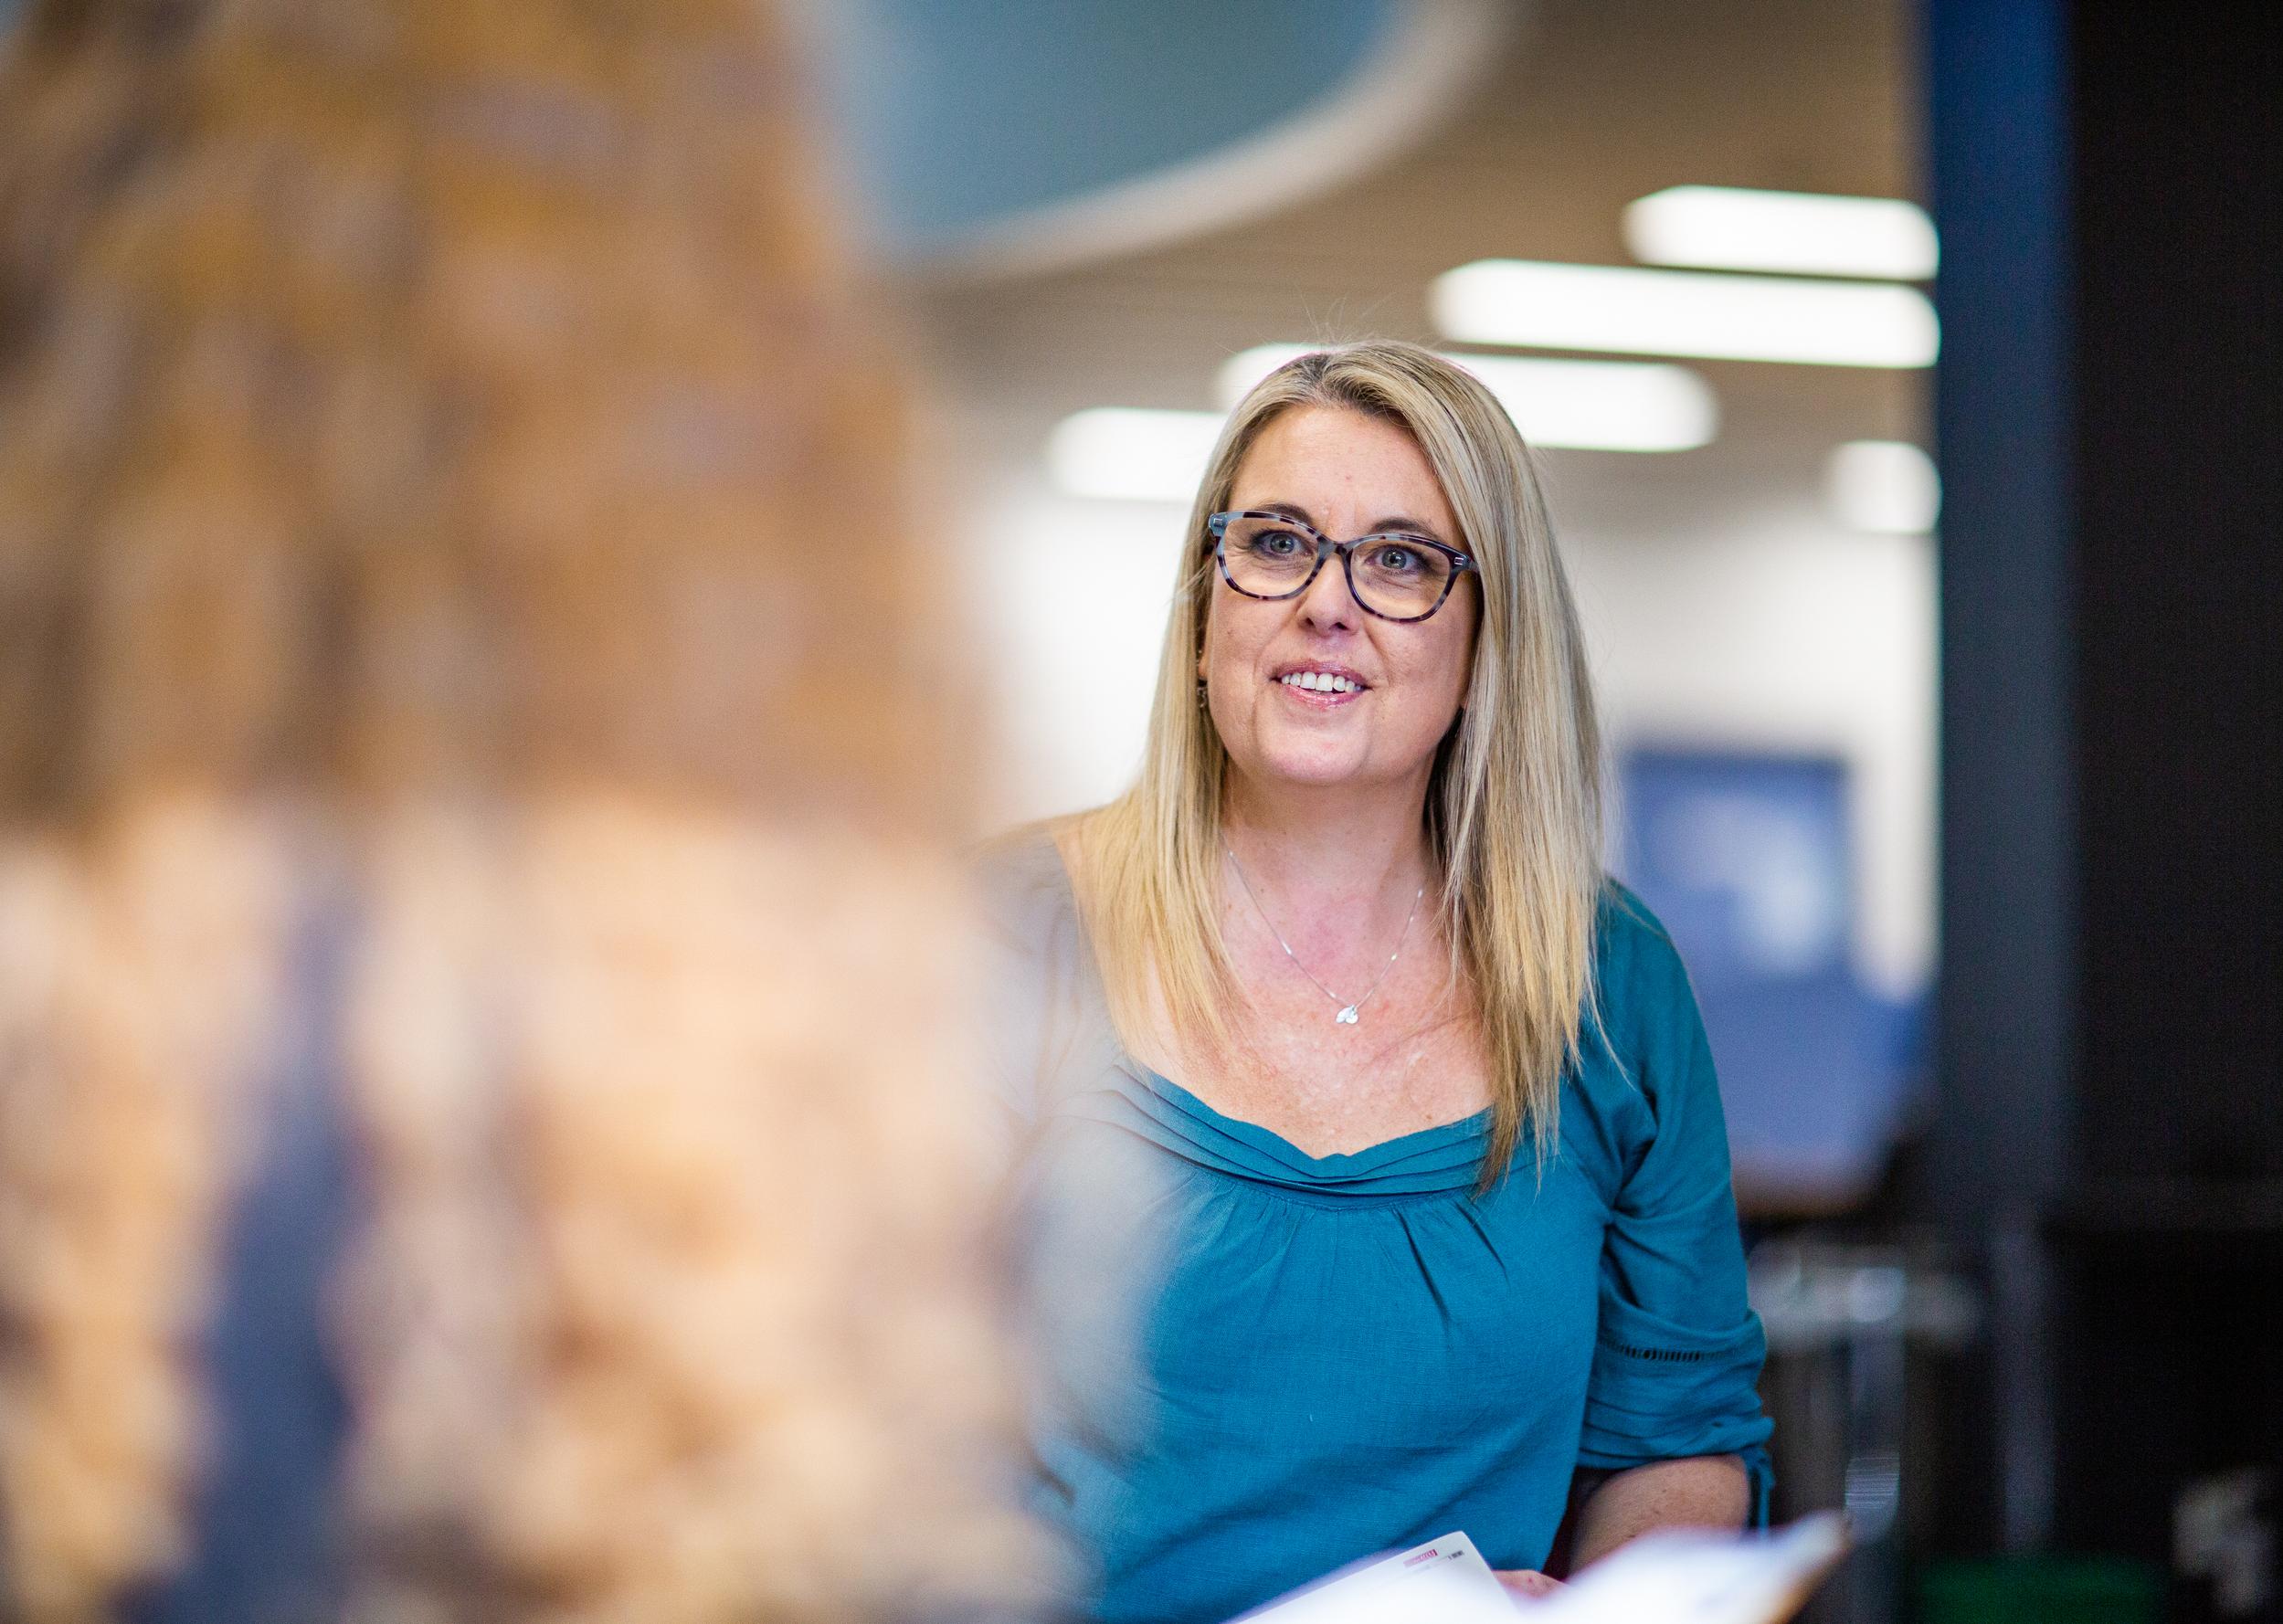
1252,1365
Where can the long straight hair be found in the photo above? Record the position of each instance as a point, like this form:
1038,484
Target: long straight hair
1513,808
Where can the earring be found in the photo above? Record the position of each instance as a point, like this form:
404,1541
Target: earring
1200,693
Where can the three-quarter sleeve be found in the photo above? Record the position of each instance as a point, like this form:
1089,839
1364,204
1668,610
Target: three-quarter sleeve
1678,1351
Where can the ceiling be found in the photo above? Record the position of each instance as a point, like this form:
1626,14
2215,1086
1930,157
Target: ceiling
1723,602
1590,104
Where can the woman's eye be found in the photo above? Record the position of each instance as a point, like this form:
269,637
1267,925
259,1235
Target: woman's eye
1396,560
1276,544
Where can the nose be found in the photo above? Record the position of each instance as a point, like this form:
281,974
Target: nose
1327,604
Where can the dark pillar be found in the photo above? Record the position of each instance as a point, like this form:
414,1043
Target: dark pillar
2006,1010
2111,1148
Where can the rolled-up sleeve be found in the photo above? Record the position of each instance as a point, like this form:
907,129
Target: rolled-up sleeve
1677,1356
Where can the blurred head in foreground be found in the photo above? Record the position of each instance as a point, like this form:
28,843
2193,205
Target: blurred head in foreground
458,642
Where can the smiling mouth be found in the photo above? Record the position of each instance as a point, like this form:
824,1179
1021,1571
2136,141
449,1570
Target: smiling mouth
1321,685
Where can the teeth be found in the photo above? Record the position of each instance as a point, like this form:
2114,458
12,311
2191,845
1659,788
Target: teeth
1319,682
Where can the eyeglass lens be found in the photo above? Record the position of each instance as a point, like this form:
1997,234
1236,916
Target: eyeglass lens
1392,576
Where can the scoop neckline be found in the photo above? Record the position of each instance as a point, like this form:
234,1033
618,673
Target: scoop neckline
1259,1134
1268,1139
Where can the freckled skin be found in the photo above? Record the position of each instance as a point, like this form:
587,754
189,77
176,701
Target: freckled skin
1354,773
1349,473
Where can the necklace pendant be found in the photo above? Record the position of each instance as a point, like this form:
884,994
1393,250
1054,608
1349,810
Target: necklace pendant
1347,1017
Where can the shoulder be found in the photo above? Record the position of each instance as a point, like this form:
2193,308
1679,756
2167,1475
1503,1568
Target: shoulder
1641,1051
1639,980
1014,872
1022,888
1046,1029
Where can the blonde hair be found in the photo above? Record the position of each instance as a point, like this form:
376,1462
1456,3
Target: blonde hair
1513,806
408,411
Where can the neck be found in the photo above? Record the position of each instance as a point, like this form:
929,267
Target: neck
1331,852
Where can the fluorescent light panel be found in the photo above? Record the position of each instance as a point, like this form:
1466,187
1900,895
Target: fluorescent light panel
1131,454
1596,405
1885,487
1732,228
1601,406
1237,376
1134,454
1681,312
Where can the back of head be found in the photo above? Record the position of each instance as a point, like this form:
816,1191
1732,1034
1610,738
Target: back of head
449,500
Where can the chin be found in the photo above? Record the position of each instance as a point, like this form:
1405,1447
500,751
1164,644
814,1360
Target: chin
1300,763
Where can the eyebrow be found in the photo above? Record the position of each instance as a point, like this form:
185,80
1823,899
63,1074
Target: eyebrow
1293,510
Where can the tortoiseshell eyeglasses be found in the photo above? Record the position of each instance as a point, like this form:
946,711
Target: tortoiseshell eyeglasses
1392,575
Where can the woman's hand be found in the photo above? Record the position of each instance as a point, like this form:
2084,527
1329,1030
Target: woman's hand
1527,1583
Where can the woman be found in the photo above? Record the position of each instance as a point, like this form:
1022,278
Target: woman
1399,1107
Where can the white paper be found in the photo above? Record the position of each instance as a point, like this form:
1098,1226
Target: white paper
1679,1576
1697,1577
1425,1583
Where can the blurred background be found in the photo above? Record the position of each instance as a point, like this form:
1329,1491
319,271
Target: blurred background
1905,376
1113,227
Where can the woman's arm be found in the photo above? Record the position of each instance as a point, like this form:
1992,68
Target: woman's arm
1702,1492
1608,1508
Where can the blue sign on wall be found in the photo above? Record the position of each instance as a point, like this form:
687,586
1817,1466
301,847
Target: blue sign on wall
1748,860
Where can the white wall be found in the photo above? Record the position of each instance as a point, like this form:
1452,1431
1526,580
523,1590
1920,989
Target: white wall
1073,638
1772,629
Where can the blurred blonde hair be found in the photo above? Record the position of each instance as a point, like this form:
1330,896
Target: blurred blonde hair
415,420
1514,804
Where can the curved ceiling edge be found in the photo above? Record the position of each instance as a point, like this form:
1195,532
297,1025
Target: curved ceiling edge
1419,73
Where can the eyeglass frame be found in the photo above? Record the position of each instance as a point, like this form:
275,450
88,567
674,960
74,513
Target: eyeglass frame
1217,524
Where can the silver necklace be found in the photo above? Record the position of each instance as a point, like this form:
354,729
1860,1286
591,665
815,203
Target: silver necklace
1348,1013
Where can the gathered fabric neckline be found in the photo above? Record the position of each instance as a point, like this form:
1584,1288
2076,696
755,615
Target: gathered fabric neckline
1447,1156
1131,1095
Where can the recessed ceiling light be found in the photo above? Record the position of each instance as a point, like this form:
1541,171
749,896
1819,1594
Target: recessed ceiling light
1237,376
1132,454
1885,487
1602,405
1135,454
1682,312
1594,406
1728,227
